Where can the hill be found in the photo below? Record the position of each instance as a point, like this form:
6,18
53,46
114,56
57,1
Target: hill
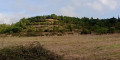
59,25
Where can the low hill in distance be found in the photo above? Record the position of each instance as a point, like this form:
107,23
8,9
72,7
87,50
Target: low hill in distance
58,25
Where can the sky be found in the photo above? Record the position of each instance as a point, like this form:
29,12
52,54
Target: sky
11,11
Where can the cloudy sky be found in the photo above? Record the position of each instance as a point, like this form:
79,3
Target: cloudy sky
13,10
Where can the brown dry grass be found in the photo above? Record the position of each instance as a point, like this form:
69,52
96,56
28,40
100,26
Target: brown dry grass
75,47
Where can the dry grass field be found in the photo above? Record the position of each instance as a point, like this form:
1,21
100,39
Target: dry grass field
74,47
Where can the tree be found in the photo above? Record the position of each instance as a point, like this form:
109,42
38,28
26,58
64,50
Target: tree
53,16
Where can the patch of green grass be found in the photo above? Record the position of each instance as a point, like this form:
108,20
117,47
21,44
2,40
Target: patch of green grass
33,51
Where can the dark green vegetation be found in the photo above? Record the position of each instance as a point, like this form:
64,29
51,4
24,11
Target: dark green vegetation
53,24
34,51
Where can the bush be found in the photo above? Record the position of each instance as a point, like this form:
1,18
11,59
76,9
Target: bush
69,27
40,30
62,30
8,29
17,29
102,30
111,30
86,31
31,29
33,51
46,30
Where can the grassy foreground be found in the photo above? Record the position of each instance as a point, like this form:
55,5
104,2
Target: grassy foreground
74,47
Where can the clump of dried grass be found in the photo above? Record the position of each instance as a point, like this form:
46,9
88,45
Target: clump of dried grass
31,51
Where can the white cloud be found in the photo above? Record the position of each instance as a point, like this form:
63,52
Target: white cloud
75,3
68,11
70,8
100,5
96,5
22,5
4,19
19,10
13,18
112,4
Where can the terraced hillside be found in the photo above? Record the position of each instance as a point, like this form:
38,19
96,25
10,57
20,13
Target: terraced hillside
60,25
